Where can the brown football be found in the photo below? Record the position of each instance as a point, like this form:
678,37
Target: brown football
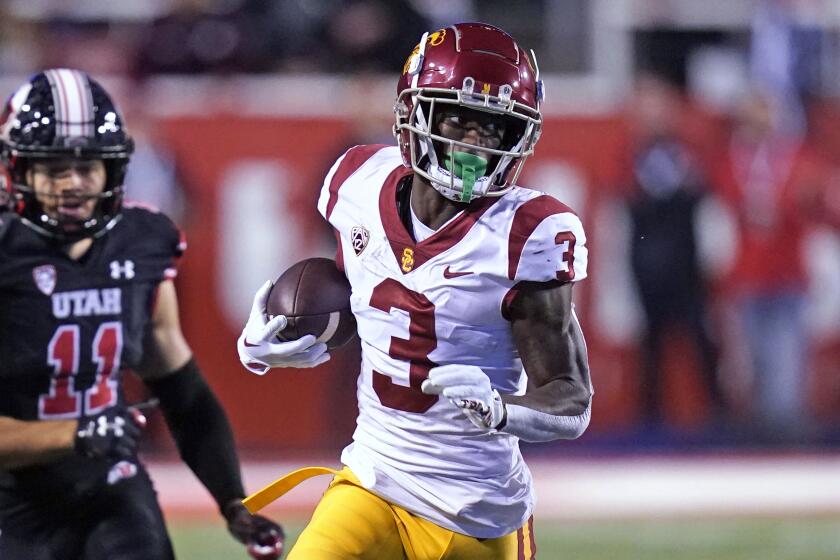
314,295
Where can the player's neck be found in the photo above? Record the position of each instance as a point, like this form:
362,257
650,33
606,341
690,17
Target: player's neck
430,207
78,249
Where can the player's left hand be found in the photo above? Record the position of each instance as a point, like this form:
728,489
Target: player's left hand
112,434
468,388
263,537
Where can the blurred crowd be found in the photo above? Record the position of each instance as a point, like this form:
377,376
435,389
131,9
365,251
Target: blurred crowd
734,234
725,233
218,36
733,210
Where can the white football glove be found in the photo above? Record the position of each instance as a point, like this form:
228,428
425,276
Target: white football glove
259,349
468,388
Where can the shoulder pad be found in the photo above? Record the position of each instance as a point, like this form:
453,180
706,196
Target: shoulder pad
546,242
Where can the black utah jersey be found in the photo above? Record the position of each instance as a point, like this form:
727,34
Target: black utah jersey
68,328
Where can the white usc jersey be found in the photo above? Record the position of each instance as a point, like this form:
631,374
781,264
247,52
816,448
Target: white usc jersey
437,302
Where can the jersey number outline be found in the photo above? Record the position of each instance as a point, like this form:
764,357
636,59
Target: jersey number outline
62,400
568,256
421,341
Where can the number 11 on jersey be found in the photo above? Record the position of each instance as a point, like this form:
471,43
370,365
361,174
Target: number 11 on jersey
63,400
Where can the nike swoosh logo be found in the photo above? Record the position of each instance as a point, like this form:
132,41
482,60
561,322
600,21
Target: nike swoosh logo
449,275
249,345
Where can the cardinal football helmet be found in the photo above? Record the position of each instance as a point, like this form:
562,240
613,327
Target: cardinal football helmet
64,114
471,66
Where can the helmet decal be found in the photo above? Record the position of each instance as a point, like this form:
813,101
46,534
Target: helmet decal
437,37
416,65
16,101
73,103
411,63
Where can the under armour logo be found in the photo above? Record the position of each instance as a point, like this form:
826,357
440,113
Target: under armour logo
125,270
101,426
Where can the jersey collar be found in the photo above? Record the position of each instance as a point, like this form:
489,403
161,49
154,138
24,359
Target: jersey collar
409,254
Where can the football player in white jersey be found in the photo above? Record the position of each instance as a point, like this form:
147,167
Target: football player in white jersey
462,292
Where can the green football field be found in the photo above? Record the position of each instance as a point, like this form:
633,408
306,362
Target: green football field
724,539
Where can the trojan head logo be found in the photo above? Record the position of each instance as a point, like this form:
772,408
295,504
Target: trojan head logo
414,61
411,62
407,259
359,237
437,37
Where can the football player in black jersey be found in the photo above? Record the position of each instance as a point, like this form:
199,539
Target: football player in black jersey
86,292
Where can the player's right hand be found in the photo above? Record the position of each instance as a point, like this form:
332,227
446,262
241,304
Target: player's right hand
258,346
263,538
113,434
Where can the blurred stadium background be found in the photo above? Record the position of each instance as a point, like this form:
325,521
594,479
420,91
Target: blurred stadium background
715,255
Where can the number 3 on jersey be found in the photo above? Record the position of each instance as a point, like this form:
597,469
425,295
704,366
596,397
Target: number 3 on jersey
421,341
63,400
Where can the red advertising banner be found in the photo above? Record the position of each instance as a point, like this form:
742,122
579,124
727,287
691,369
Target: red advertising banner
251,186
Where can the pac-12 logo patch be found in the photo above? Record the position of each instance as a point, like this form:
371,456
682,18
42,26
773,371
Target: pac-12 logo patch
44,277
359,236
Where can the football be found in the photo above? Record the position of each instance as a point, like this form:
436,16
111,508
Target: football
314,295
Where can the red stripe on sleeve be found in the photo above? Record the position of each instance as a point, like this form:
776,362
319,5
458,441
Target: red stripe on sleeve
353,160
525,221
339,254
507,301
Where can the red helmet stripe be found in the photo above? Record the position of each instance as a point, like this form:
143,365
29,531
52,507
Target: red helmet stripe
58,102
73,103
86,104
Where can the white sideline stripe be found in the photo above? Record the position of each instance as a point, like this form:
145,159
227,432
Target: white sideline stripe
597,489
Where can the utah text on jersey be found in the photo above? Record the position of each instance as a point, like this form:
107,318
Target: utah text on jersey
84,303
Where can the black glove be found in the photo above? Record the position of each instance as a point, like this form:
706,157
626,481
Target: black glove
113,434
263,537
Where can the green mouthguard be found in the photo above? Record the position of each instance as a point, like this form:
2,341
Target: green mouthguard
467,167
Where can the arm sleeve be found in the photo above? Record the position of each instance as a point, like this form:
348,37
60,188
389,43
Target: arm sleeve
532,425
201,431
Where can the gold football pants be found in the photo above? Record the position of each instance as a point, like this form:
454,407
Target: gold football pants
352,523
